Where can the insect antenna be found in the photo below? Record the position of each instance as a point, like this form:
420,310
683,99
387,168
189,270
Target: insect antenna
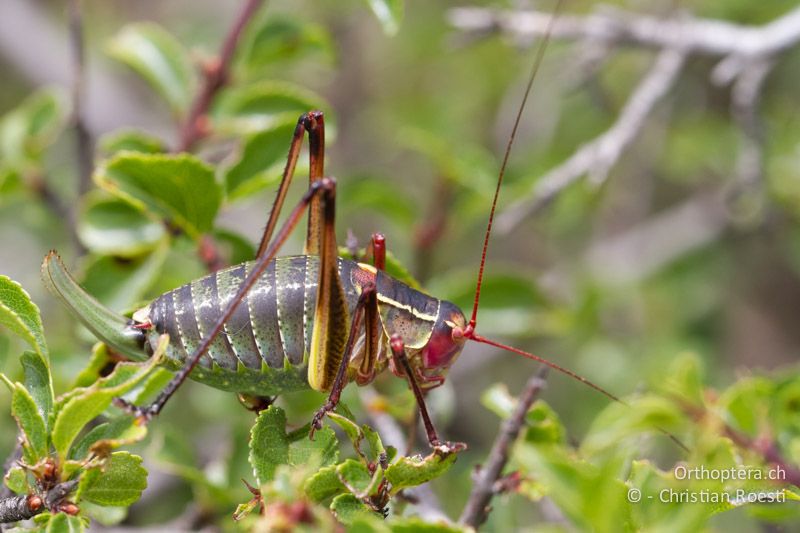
469,331
478,338
534,70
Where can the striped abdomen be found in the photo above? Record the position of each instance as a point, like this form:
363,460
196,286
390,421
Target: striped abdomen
268,334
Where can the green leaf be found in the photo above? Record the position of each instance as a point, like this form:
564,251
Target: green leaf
589,495
20,315
414,524
684,378
260,163
39,382
99,360
81,406
389,13
16,479
375,195
263,106
107,516
180,188
121,482
236,248
324,484
114,227
159,58
543,423
280,38
245,509
413,471
132,141
617,422
119,284
355,475
269,445
323,450
64,523
106,436
348,508
30,422
32,126
350,429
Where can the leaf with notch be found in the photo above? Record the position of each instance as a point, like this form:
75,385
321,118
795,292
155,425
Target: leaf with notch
64,523
413,471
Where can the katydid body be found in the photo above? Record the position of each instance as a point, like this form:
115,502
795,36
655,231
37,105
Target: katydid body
264,347
280,324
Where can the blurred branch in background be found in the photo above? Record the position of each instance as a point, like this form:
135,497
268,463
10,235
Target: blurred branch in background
748,54
614,26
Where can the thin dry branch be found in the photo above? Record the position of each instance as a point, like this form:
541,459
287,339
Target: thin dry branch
215,76
486,479
598,156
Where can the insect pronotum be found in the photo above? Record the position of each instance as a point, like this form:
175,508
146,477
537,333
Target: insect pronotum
278,324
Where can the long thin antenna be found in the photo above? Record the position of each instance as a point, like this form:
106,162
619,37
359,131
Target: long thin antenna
477,338
534,70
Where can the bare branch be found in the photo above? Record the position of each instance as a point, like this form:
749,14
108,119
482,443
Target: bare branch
17,508
694,36
215,77
596,157
484,489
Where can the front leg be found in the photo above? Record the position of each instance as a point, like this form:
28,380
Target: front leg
401,361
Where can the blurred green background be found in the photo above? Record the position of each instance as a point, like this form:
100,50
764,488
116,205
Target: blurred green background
614,282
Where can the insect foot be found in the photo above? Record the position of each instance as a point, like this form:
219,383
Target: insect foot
447,447
316,422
